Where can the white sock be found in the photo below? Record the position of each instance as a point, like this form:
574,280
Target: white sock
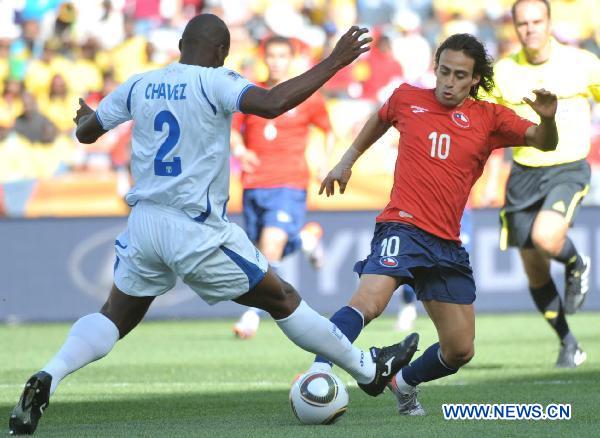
312,332
403,387
90,339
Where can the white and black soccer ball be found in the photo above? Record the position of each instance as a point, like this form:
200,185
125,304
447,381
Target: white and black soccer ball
318,398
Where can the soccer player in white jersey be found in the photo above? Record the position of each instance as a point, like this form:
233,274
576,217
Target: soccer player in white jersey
178,225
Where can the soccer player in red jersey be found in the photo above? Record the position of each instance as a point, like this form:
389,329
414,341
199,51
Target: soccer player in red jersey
446,136
275,174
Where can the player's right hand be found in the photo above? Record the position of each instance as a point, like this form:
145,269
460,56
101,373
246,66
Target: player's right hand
339,173
349,46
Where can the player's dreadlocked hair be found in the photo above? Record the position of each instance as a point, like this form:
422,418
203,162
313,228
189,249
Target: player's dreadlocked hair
473,48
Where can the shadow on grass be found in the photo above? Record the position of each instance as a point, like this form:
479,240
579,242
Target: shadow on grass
266,413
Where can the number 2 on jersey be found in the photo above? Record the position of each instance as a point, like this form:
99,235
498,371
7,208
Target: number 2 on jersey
167,168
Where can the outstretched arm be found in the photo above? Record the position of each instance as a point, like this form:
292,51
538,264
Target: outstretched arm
369,134
287,95
545,135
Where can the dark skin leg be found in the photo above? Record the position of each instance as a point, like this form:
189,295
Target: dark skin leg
272,295
125,311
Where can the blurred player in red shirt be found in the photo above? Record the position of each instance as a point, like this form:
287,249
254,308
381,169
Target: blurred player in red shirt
385,72
275,174
446,136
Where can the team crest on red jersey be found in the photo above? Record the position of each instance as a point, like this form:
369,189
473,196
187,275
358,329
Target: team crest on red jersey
388,262
460,119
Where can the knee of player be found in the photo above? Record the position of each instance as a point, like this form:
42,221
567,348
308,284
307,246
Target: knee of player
370,311
548,238
459,356
368,305
286,303
548,243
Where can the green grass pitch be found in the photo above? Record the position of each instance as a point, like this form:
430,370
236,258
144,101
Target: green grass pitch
192,378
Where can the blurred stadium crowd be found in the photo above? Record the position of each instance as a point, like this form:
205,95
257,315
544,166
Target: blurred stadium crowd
53,51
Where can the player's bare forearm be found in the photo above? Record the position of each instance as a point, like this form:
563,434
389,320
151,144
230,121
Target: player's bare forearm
86,131
341,173
289,94
543,136
369,134
548,132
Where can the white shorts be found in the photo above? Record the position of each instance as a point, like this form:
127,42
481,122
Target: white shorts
161,243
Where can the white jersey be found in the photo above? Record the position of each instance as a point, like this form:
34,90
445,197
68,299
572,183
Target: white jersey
180,142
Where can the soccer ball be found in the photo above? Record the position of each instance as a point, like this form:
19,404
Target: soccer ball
318,398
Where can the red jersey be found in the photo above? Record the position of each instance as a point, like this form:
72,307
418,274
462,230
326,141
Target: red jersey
441,153
280,144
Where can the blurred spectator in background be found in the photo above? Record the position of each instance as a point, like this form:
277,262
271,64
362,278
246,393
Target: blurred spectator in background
23,49
32,124
65,19
376,12
12,102
58,105
6,123
39,72
85,69
95,44
15,155
451,10
146,15
384,72
101,21
412,49
130,56
577,22
4,61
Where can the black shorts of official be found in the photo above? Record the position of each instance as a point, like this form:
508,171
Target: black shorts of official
530,190
437,269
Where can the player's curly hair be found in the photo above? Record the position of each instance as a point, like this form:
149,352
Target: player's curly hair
473,48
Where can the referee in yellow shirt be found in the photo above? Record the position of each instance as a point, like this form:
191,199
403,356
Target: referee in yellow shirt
545,189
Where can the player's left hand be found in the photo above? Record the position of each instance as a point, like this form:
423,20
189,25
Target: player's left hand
545,103
339,173
84,110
